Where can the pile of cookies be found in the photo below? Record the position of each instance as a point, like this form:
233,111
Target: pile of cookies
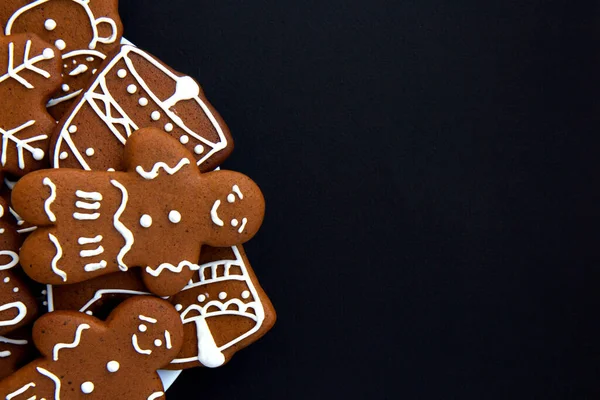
120,238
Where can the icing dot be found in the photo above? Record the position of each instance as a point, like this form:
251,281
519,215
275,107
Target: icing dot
111,170
158,342
230,198
44,303
16,290
199,149
89,152
6,280
60,44
184,139
201,298
121,73
94,71
73,129
48,53
235,222
175,216
143,101
178,307
89,313
50,24
146,221
87,387
155,115
143,328
38,154
74,62
113,366
44,292
169,127
89,59
222,295
66,87
65,66
131,89
245,294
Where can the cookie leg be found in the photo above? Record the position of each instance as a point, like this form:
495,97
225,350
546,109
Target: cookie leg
34,197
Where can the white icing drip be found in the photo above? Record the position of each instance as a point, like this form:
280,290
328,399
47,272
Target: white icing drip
153,173
136,346
14,259
95,266
86,217
50,200
147,319
92,253
214,214
59,253
243,226
88,195
54,378
80,69
21,313
120,227
71,345
84,240
88,206
170,267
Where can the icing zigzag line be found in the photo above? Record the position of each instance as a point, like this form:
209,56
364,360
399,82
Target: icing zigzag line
50,200
126,233
75,343
175,269
57,257
153,173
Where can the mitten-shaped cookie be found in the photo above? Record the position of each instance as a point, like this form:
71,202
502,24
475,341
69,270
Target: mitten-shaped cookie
29,73
85,31
155,215
83,357
18,305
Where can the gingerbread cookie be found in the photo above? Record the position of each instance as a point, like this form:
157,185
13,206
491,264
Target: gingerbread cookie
223,310
84,357
29,73
156,215
16,350
85,31
134,90
18,304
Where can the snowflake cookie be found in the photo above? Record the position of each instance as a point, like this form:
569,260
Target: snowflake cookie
30,72
83,356
135,90
155,215
85,31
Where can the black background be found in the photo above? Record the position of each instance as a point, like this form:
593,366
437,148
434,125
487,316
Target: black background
431,174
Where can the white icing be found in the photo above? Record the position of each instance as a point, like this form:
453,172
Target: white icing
89,59
147,319
156,395
89,152
178,307
131,89
89,313
50,200
230,198
136,346
122,73
50,24
175,216
143,101
73,129
142,328
168,127
71,345
100,293
65,87
87,206
184,139
88,195
6,280
199,149
50,298
155,115
201,298
170,267
4,354
87,387
21,144
63,155
245,294
168,343
235,222
158,342
21,391
214,214
92,253
54,378
121,228
21,313
61,99
16,290
146,221
57,257
84,240
222,295
243,226
80,69
86,217
14,259
113,366
95,266
236,190
60,44
27,63
153,173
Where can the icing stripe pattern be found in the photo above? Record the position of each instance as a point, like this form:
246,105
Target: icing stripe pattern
72,345
48,182
57,257
120,227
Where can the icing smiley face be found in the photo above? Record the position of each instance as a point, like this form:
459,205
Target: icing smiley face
148,338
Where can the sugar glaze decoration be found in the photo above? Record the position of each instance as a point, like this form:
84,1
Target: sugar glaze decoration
122,125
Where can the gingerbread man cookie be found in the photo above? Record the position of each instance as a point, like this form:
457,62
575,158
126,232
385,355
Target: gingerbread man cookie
29,73
18,305
85,31
156,215
134,90
83,357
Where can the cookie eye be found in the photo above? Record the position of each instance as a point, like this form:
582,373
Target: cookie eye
142,328
230,198
235,222
158,342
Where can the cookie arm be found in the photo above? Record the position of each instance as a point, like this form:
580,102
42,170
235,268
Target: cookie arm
33,197
153,154
60,331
